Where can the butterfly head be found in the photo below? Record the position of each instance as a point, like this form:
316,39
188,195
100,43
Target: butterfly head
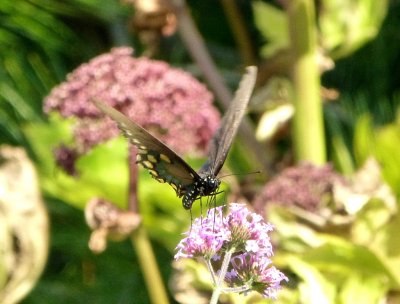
205,186
210,184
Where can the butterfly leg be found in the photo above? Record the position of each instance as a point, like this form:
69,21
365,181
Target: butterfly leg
191,220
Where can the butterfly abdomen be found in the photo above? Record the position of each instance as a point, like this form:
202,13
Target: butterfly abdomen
205,186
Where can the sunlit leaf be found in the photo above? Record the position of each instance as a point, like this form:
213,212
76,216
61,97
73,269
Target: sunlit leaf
363,289
313,287
273,24
347,25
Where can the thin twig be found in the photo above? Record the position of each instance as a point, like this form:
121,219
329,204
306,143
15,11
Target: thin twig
133,180
196,47
239,30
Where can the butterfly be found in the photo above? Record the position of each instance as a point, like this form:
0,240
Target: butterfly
168,167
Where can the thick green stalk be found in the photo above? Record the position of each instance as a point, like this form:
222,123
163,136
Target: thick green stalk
308,131
218,288
141,242
148,264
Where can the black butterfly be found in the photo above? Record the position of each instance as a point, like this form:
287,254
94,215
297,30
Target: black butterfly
166,166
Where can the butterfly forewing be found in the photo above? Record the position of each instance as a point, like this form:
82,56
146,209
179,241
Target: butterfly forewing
223,138
166,166
163,163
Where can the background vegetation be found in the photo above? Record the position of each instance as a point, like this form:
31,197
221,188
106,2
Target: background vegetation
358,51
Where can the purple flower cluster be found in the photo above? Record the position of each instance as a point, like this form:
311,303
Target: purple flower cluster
248,230
167,101
243,234
305,186
255,269
206,236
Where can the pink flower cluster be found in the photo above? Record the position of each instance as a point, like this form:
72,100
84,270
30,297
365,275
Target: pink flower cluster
305,186
245,235
257,270
206,236
167,101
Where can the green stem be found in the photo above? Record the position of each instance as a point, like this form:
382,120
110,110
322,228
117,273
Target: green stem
215,296
309,139
148,265
141,242
211,270
240,289
218,287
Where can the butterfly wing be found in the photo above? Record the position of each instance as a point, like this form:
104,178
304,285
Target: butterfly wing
162,163
223,138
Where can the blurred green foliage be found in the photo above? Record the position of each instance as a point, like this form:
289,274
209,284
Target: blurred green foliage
41,41
383,144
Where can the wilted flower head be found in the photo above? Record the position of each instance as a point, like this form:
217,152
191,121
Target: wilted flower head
165,100
305,186
107,221
241,236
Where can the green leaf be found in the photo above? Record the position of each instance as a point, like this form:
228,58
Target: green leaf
387,152
363,139
314,288
341,259
273,25
363,289
382,143
347,25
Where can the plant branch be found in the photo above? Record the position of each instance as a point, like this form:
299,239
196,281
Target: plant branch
239,30
133,180
149,267
308,132
220,280
140,240
196,47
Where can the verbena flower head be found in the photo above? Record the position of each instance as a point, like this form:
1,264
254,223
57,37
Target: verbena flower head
206,236
255,270
243,237
248,230
164,100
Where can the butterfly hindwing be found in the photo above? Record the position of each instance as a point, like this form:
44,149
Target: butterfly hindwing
162,163
166,166
223,138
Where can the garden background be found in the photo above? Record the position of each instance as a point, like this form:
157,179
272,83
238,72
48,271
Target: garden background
327,93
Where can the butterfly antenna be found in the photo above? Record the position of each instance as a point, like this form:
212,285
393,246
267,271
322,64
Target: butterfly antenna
201,211
224,206
247,173
214,202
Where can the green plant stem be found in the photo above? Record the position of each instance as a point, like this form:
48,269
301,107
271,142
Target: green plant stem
211,270
141,242
308,129
148,265
218,287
